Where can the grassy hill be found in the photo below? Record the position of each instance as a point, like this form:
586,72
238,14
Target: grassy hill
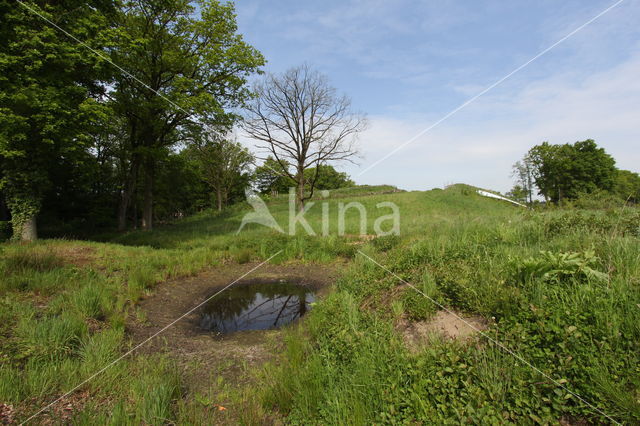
559,289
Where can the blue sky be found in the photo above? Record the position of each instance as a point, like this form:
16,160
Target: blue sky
408,63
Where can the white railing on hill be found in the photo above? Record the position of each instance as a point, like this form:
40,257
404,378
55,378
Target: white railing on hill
498,197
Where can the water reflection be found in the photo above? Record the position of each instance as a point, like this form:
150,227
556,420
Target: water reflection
258,306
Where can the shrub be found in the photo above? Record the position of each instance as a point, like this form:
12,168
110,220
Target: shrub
560,267
597,200
624,222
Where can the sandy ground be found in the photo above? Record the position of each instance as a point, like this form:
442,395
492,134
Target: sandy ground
444,325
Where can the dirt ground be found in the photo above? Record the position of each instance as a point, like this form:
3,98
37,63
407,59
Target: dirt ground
203,356
447,325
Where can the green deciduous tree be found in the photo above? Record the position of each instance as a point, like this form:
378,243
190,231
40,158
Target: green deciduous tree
47,80
224,165
627,186
523,174
565,171
328,177
185,66
269,179
179,188
519,194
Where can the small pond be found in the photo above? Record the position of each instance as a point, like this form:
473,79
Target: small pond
256,306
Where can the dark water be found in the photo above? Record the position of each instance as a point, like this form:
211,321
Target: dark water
256,306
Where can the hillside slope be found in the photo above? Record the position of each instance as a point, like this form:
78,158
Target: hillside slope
559,289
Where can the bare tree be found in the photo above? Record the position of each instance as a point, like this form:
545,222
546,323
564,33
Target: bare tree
523,174
298,118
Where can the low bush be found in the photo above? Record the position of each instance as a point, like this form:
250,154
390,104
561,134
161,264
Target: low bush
386,243
559,267
621,222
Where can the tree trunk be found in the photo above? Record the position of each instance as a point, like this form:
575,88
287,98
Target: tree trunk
134,206
122,211
29,231
559,202
219,198
300,192
23,217
127,193
147,210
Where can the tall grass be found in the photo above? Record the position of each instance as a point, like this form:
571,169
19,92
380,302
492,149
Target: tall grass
577,329
63,318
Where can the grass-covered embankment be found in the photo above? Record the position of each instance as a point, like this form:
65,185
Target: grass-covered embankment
64,307
561,290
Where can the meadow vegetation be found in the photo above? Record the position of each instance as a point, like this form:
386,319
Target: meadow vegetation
559,287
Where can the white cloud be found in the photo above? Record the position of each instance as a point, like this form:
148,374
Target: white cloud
479,144
585,88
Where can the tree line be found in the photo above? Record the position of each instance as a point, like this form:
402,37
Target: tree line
567,172
120,113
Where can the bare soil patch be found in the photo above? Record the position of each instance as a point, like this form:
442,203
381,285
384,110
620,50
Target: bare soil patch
443,325
356,240
203,356
79,256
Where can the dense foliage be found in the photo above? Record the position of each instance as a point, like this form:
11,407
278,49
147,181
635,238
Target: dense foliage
268,178
224,165
184,68
571,171
48,85
93,121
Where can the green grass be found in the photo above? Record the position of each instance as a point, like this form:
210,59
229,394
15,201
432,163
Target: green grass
560,287
533,272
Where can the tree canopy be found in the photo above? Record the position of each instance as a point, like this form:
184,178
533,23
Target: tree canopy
98,98
48,98
224,165
563,172
328,177
268,178
627,185
185,68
